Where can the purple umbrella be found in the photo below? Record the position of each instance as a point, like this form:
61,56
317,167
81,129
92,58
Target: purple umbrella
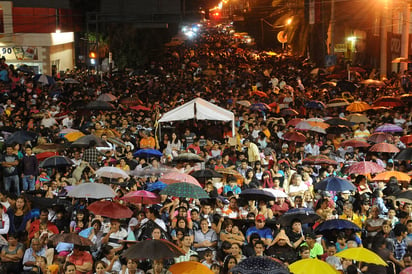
389,128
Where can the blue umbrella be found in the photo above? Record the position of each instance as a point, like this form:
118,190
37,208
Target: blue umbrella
259,107
337,224
315,104
335,184
44,79
156,186
147,153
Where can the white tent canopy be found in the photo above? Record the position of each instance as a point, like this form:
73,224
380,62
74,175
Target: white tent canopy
199,109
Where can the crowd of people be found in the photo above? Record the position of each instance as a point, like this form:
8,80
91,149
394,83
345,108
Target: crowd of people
267,94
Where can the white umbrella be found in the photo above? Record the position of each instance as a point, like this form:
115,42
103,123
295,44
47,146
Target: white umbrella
92,191
111,172
276,192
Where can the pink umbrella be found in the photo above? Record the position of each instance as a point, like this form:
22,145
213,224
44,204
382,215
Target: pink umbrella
384,147
407,270
177,177
141,197
365,167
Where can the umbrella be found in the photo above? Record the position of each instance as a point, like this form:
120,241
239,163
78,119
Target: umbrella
294,136
56,161
303,125
106,97
141,197
259,265
372,83
92,191
231,172
67,130
150,171
111,172
244,103
337,224
399,60
407,98
177,177
389,128
117,141
311,266
71,238
388,101
86,140
260,93
43,155
73,136
357,118
206,174
315,104
140,108
405,196
256,194
365,167
379,137
356,142
385,176
259,107
188,157
48,147
21,137
109,132
71,81
319,160
294,122
156,186
358,106
130,101
276,192
190,268
44,79
405,154
305,215
406,139
337,129
346,85
147,153
334,184
288,112
110,209
407,270
185,190
100,105
153,250
361,254
327,84
318,130
384,147
338,122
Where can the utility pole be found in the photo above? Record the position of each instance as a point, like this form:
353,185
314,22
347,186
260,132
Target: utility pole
383,42
405,34
332,28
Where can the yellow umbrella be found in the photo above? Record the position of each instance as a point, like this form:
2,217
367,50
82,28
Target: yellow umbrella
311,266
361,254
190,268
358,106
73,136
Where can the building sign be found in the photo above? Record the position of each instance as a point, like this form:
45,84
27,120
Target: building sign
340,48
19,53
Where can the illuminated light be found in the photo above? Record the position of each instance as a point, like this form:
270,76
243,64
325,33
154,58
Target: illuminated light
190,34
351,39
92,55
184,29
289,21
58,30
93,62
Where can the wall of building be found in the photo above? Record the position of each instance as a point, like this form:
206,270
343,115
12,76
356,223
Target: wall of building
62,56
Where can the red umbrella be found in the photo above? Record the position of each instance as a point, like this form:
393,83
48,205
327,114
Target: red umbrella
141,197
365,167
294,121
319,160
294,136
260,93
379,137
407,139
273,104
44,155
288,112
355,143
110,209
384,147
177,177
388,101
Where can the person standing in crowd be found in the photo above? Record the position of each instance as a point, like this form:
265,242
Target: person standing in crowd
30,169
9,162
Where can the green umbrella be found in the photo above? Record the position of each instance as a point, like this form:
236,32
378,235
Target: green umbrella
185,190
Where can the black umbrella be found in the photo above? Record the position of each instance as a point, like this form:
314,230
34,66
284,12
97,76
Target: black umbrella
345,85
153,250
405,196
86,140
337,224
21,137
256,194
206,174
56,161
405,154
260,265
305,215
338,122
100,105
337,129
